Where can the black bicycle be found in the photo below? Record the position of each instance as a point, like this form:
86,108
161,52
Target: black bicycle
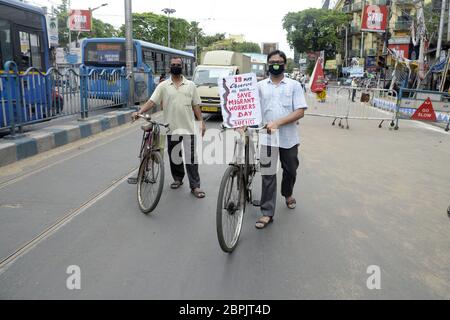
236,190
150,179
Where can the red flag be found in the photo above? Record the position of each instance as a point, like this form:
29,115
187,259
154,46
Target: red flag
318,78
425,112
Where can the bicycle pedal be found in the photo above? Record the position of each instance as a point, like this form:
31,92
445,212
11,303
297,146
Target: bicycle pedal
132,180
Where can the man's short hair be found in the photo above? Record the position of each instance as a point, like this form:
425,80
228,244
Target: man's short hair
277,52
177,58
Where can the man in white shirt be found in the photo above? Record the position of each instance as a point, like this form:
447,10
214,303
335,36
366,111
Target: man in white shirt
283,104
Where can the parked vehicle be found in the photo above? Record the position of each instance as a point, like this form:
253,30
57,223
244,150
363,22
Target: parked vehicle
216,65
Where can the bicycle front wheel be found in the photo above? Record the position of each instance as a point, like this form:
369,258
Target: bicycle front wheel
150,182
230,209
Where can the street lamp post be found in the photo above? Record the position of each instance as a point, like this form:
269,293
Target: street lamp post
92,10
129,50
168,11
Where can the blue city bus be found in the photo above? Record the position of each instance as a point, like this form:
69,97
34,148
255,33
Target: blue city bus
150,61
24,41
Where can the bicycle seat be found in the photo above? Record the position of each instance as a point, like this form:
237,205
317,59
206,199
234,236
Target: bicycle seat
147,127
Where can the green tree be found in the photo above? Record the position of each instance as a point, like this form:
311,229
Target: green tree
290,65
63,32
229,44
314,30
249,47
154,28
432,19
206,41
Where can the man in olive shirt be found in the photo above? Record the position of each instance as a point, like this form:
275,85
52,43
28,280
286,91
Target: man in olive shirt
181,102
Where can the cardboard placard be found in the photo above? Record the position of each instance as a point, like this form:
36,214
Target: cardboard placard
239,99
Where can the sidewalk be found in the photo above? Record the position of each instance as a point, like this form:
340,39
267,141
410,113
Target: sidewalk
59,132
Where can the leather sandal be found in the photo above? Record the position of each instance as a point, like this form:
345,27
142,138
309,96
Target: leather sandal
292,204
263,224
199,194
176,184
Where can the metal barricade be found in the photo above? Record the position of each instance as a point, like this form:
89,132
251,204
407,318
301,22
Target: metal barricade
32,96
411,100
346,103
105,88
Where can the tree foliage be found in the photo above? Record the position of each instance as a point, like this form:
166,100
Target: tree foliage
314,30
153,28
290,65
229,44
249,47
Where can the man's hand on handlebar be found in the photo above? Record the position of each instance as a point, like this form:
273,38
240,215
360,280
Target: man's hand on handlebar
134,116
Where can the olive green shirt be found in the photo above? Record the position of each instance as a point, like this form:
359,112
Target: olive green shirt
177,104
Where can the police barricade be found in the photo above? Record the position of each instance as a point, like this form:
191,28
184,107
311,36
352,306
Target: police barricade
424,105
346,103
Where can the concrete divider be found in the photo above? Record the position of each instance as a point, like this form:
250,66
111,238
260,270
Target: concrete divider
56,136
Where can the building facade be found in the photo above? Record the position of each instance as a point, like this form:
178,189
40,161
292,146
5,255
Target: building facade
370,47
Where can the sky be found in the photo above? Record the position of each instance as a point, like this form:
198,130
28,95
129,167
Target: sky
258,20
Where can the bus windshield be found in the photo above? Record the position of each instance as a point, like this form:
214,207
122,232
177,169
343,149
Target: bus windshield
210,76
111,54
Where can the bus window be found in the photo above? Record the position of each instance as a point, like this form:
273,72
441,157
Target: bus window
29,51
5,42
103,54
25,51
160,63
147,57
35,51
166,62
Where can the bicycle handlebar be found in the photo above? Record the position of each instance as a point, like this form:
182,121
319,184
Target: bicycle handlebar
257,129
149,119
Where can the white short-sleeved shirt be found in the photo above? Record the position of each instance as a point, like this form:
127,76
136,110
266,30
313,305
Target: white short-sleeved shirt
177,105
278,101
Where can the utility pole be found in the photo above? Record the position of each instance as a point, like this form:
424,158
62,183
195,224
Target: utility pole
129,50
70,32
362,45
441,30
448,25
346,45
420,36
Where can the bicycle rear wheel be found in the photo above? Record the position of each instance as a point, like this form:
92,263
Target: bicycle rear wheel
230,209
150,182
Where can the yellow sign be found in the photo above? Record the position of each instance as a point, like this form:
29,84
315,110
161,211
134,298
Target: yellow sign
330,65
210,109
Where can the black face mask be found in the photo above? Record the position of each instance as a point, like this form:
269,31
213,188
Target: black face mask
176,70
276,69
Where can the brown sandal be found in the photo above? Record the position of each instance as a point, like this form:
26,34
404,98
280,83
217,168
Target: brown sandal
292,204
176,185
198,193
263,224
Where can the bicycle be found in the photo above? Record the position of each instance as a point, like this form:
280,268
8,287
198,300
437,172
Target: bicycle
151,169
235,192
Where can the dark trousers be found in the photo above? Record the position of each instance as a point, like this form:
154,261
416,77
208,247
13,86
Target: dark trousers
353,95
269,166
176,158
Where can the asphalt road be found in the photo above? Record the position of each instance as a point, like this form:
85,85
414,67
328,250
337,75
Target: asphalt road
366,197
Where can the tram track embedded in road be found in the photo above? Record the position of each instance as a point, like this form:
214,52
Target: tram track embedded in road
9,260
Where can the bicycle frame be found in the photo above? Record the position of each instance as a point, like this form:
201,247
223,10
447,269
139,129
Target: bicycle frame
151,137
247,170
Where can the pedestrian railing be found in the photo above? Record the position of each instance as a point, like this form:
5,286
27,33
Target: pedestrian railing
33,96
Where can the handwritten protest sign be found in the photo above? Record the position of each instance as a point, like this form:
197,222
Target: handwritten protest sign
239,99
